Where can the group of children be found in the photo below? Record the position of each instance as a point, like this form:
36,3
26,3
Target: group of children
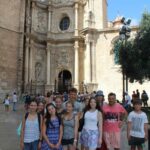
54,125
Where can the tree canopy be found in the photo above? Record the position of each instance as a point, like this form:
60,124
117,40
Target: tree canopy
134,55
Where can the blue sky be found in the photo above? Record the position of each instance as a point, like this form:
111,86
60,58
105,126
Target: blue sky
128,8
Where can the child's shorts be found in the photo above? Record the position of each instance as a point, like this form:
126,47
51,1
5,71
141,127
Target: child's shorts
136,141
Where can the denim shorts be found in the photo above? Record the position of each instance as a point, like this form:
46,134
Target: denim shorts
31,146
136,141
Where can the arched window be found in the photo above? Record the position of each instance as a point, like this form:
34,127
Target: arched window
64,23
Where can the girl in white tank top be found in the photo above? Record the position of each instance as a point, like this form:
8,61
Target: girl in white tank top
91,134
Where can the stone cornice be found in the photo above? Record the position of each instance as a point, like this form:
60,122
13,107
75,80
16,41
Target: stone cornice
46,4
111,30
89,30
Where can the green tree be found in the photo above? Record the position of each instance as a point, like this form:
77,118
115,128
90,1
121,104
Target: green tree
134,55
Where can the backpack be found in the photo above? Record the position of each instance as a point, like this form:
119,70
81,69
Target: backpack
18,130
81,122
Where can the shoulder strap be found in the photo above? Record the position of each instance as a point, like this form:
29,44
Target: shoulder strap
39,120
26,116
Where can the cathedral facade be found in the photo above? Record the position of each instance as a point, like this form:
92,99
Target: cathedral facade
56,44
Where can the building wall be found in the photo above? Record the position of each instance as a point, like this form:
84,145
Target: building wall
109,76
10,38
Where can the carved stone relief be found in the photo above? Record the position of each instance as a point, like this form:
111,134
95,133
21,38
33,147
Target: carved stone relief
42,21
38,70
64,58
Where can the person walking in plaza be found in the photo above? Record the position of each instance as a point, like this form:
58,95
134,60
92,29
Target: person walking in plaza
70,128
91,134
14,99
7,102
52,129
137,128
31,128
114,115
144,98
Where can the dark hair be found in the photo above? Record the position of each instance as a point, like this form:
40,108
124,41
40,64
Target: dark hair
74,90
137,101
48,94
33,100
112,94
48,116
88,107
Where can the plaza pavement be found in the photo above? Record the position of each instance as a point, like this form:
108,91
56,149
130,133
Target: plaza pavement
10,120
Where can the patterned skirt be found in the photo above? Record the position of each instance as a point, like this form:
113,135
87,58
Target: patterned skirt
89,138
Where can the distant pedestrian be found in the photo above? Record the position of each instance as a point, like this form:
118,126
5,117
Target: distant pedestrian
137,128
7,102
144,98
138,94
14,99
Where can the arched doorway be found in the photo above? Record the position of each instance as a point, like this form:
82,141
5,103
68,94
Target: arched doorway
64,81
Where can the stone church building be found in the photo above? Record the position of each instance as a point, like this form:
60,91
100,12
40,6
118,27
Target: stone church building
56,44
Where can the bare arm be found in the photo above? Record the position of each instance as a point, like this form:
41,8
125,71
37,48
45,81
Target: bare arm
60,134
76,128
128,129
146,130
45,136
100,126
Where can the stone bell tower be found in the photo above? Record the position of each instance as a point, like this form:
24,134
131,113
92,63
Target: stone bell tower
95,20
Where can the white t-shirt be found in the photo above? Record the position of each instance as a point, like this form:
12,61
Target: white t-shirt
6,101
137,123
14,98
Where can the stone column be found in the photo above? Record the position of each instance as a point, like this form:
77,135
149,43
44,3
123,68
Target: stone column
27,61
30,64
49,16
76,19
76,71
87,63
33,16
48,67
93,62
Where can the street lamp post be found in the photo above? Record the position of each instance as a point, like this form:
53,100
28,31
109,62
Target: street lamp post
124,35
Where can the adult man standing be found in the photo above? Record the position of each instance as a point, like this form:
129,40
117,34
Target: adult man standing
114,114
14,98
73,98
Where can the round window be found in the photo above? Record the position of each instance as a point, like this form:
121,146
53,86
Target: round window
64,23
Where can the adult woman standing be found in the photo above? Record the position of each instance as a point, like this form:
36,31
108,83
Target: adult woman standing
70,128
91,134
52,129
